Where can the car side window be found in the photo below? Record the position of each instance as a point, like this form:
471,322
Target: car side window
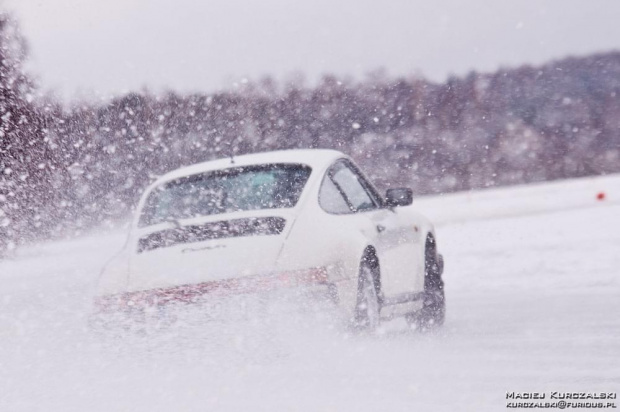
348,184
330,198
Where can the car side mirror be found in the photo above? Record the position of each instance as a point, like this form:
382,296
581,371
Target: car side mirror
401,196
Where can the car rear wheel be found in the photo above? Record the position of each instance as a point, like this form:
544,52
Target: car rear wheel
368,308
433,310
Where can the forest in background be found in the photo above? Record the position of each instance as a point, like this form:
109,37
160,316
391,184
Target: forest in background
64,170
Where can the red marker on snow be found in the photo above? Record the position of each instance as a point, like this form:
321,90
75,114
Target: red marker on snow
600,196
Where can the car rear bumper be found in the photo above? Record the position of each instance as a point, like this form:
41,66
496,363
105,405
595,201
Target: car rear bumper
311,282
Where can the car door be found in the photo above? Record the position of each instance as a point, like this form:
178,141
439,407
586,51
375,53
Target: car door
346,191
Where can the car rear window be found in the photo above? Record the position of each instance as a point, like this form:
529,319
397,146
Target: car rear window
272,186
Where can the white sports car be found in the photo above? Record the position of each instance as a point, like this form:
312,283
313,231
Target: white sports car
306,220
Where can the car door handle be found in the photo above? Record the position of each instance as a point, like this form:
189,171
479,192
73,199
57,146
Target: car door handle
380,228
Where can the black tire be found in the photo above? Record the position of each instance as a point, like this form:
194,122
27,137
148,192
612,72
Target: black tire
433,312
368,307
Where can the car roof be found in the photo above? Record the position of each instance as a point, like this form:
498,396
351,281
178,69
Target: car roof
318,159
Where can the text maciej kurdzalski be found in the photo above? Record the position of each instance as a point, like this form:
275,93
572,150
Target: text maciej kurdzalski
561,395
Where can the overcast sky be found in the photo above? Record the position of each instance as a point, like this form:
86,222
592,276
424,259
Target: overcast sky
111,46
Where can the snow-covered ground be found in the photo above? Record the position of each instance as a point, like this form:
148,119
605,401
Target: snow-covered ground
533,289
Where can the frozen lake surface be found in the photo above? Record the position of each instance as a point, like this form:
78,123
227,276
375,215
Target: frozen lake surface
533,292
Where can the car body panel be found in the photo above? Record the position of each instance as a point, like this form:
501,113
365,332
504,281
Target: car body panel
209,260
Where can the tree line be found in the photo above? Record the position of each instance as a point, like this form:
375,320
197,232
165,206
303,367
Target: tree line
66,169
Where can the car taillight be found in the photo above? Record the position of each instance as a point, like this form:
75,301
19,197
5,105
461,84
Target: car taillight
109,303
310,276
123,301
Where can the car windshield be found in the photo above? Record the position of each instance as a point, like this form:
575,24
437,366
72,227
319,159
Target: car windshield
231,190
